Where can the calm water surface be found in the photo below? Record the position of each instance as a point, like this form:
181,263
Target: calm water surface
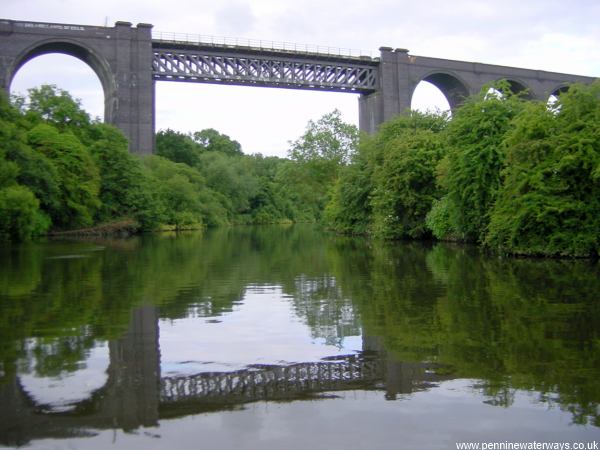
291,338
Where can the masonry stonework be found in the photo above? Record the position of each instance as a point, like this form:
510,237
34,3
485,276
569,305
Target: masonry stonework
128,62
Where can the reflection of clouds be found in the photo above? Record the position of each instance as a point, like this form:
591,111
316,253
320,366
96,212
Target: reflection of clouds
262,329
437,418
61,391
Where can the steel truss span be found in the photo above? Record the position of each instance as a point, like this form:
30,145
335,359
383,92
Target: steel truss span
274,382
265,69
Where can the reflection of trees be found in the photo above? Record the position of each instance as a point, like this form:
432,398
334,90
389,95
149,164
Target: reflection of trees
64,291
514,324
330,315
394,294
54,355
546,322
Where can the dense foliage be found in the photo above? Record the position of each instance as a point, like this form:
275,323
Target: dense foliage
517,176
60,170
549,202
471,170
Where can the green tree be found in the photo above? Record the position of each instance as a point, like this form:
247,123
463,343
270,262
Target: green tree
20,216
328,139
549,203
471,172
178,147
25,177
316,160
177,191
390,185
213,141
232,177
349,208
78,175
123,185
57,107
404,176
267,204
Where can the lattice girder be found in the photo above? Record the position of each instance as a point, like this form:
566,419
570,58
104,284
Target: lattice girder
275,70
266,382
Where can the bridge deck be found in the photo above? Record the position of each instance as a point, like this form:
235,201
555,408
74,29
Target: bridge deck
228,64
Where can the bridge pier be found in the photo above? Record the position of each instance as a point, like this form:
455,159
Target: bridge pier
132,394
120,56
130,105
394,93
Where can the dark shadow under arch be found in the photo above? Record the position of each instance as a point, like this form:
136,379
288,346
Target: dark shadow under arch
519,88
560,90
453,89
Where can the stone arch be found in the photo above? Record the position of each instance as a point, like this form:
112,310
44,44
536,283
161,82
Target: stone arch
519,87
454,89
80,51
553,95
560,89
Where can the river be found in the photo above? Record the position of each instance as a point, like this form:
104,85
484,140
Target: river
288,337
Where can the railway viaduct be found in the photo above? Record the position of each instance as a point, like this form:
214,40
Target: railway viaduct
129,60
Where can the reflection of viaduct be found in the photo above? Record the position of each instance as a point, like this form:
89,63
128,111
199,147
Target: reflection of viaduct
273,382
128,61
136,395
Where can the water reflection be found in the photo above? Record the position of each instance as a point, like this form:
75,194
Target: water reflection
161,327
62,390
261,329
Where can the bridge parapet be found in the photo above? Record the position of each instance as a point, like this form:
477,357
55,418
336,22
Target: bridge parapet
259,44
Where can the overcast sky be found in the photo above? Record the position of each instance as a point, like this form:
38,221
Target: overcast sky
553,35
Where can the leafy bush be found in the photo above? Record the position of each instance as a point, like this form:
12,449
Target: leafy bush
471,173
79,180
549,203
20,216
389,188
405,181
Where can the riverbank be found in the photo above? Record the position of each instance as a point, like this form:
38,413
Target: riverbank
123,228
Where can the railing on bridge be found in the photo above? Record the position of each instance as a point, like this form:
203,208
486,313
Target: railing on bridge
209,59
260,44
274,382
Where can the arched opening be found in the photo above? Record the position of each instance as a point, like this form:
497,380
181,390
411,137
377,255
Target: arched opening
497,89
71,67
518,88
59,392
555,96
454,90
429,98
67,73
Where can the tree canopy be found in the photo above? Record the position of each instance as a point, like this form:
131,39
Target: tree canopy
517,176
62,170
